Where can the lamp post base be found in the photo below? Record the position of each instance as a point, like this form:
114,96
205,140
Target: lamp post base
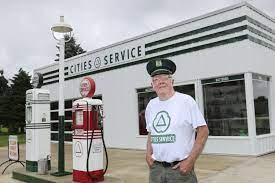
61,159
60,174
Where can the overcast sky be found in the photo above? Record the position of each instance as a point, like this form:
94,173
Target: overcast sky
26,40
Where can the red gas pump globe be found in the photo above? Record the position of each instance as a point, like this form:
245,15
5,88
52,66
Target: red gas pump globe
87,87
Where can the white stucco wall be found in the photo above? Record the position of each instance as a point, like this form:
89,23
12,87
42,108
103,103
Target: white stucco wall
118,86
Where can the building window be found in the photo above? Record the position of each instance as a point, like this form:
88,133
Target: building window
225,106
261,101
146,94
68,118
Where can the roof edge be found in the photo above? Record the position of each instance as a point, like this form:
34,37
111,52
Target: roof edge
213,13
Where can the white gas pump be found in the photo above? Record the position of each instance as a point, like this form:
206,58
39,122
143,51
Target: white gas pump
37,127
88,141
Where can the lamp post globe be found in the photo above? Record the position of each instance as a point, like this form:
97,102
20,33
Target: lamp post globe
59,30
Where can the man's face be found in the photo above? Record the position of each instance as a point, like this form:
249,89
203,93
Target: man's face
162,84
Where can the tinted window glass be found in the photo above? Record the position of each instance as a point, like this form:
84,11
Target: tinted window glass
225,108
261,102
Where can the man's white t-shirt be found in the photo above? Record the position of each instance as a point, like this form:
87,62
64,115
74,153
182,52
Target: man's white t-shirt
172,125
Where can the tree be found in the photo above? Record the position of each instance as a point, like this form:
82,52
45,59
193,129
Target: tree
5,110
4,87
71,48
20,83
4,99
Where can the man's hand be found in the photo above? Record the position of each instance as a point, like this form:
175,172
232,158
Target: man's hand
149,160
149,151
185,166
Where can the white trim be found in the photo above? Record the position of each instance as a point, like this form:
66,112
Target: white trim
251,123
229,137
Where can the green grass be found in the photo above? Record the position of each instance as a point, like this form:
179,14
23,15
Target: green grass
4,139
4,130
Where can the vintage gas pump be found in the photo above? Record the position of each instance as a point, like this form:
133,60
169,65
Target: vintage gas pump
38,144
88,141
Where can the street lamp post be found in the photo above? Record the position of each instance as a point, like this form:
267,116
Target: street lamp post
61,29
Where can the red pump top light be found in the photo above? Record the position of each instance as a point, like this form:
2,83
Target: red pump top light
87,87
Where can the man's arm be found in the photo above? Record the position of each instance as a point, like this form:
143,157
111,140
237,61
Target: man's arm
202,135
188,164
149,151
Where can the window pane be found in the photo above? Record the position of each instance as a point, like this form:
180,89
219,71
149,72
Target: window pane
225,108
68,104
143,100
54,126
54,116
54,136
54,105
68,137
68,115
261,97
186,89
68,126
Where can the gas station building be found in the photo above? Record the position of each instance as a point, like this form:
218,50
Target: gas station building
225,61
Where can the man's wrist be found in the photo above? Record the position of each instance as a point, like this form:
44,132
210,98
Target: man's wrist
148,156
191,159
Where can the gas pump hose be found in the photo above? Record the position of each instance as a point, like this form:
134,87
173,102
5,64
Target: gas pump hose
92,177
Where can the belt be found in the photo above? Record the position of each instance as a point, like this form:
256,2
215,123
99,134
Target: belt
166,164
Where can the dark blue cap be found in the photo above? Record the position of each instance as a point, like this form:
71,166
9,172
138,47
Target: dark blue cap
160,66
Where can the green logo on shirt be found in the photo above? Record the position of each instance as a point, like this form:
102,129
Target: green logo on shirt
161,122
161,139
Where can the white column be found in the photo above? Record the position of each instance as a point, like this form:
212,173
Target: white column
271,107
250,111
199,95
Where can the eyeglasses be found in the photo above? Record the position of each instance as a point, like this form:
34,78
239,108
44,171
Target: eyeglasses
158,78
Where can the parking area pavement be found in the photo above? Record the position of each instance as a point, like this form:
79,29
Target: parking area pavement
130,166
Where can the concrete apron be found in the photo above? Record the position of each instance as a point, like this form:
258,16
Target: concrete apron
130,166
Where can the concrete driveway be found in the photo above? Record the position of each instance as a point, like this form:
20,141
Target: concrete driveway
130,166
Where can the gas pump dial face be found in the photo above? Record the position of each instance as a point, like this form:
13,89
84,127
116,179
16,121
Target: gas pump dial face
28,114
79,117
29,136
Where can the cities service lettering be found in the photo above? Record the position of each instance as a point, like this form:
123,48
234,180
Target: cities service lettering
160,139
123,55
80,67
88,63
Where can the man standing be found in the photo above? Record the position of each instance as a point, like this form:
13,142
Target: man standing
172,120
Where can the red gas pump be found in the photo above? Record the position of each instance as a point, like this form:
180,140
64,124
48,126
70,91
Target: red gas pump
88,141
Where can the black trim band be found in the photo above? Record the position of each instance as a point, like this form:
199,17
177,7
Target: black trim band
199,39
51,77
210,45
202,38
197,31
51,72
